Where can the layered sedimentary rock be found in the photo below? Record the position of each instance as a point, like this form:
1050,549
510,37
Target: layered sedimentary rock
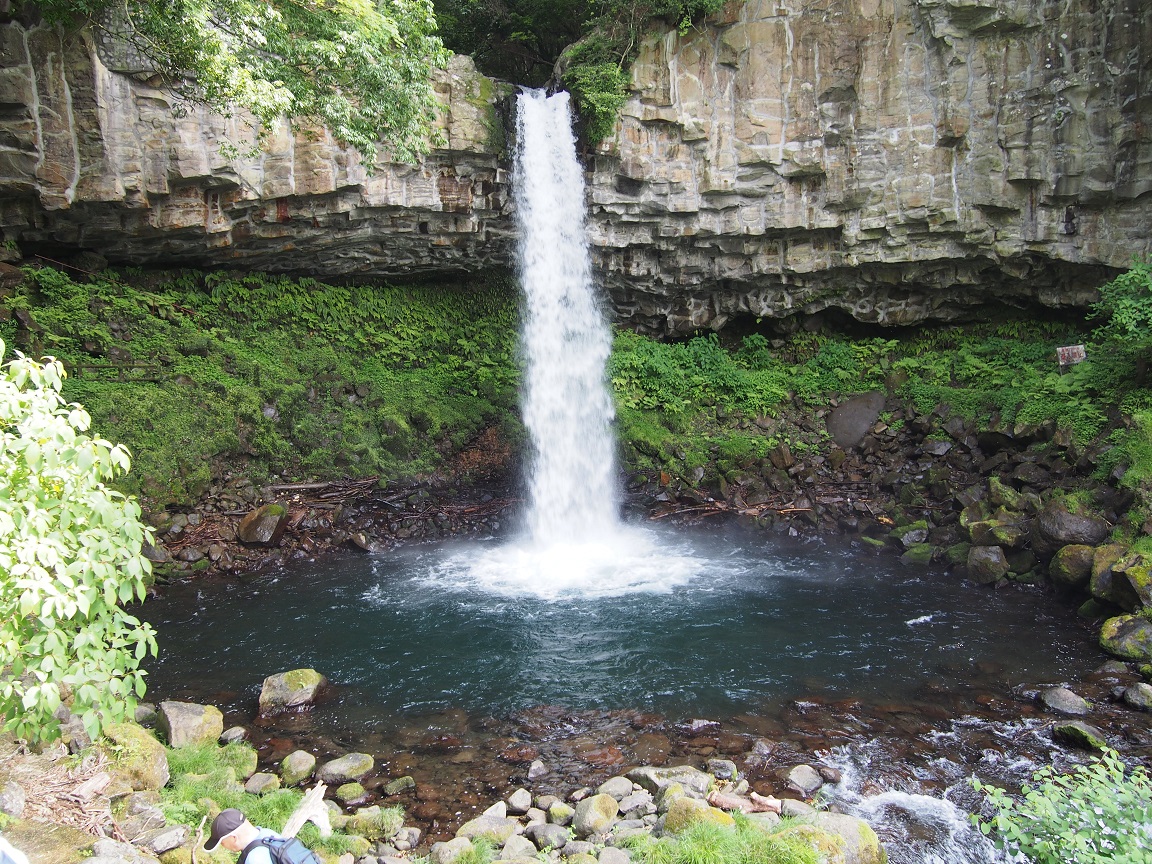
897,159
93,156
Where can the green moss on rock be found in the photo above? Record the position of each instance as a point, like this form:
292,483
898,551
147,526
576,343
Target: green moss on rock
1129,637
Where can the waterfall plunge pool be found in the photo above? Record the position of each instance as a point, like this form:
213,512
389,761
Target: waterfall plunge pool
733,625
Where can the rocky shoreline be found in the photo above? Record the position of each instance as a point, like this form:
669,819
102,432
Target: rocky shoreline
535,813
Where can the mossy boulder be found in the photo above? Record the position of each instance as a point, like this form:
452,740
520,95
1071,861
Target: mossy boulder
918,554
351,793
1055,527
686,812
49,844
297,767
1108,582
594,814
292,690
351,766
264,526
957,554
911,534
1071,566
1136,571
1129,637
136,756
1000,494
830,848
987,564
495,829
1077,733
375,823
861,845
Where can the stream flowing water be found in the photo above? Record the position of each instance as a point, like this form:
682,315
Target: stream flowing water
592,644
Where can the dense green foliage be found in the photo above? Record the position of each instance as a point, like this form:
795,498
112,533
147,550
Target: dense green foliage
1098,814
362,69
594,41
198,374
204,775
709,843
69,560
687,405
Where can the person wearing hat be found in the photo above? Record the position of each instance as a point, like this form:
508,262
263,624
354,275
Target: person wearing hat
232,830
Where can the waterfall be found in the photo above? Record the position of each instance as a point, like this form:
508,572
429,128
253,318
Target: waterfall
574,546
566,341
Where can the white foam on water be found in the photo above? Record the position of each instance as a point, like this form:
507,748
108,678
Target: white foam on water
625,561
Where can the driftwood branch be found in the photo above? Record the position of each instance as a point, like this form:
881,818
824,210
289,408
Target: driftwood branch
311,809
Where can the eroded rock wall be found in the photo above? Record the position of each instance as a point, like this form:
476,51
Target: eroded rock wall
93,156
897,159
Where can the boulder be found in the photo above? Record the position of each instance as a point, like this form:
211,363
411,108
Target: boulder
258,784
297,767
12,799
594,815
517,846
1077,733
264,526
187,724
136,757
233,734
296,689
1129,637
693,781
161,840
1139,696
852,419
614,855
1064,701
617,787
860,843
350,794
1108,581
112,852
1055,527
638,801
375,823
347,768
1136,571
560,813
400,784
723,769
519,802
686,812
804,780
1071,566
987,564
446,853
547,835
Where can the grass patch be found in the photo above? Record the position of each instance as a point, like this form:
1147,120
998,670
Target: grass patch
706,843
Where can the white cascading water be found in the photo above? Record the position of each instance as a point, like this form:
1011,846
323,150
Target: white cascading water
573,545
566,341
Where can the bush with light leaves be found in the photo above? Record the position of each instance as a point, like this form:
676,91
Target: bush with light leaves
70,559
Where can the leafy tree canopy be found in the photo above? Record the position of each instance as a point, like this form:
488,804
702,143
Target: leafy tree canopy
70,557
360,68
593,40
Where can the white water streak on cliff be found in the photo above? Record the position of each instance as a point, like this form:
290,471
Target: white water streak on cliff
566,340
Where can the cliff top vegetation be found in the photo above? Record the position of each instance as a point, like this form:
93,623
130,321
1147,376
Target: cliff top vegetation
361,69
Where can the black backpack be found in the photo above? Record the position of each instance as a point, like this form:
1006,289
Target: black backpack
283,850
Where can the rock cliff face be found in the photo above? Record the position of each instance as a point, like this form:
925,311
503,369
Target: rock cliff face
896,159
93,156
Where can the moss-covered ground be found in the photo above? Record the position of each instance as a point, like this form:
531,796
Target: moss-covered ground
206,374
